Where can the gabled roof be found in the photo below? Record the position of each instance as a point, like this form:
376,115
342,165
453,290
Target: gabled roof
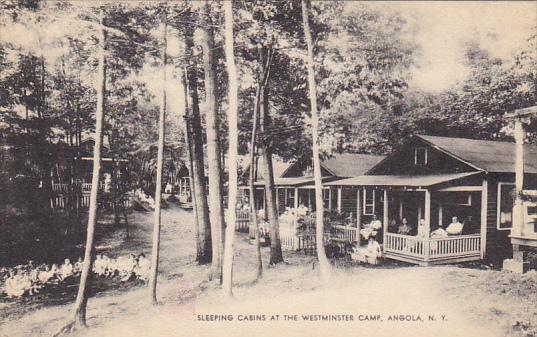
350,164
487,155
278,167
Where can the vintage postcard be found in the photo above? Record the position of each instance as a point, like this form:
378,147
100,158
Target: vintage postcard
268,168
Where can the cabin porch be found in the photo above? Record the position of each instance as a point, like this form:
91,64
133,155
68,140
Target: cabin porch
416,199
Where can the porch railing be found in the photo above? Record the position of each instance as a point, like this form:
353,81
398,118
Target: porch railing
60,187
430,250
85,187
344,233
242,222
81,201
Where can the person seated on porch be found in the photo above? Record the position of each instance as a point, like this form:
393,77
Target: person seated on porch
375,224
455,227
373,227
392,227
404,228
422,229
349,220
302,210
440,232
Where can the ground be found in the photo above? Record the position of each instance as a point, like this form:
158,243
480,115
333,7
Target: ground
387,300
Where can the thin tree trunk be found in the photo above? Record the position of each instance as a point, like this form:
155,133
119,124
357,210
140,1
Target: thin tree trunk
233,87
213,145
79,319
158,190
324,264
251,180
198,183
276,255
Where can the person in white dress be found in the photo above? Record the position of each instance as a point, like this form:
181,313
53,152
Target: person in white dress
455,227
422,229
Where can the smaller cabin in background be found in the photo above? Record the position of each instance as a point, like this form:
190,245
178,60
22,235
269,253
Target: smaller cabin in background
82,167
295,184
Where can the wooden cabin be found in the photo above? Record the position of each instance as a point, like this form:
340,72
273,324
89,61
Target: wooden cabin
84,166
295,185
435,179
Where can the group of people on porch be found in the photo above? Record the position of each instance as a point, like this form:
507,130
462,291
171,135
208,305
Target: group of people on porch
454,228
372,233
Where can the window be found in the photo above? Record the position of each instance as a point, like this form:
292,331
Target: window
369,202
458,199
506,193
290,197
420,156
326,194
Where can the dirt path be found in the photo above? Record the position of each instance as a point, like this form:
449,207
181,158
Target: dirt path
370,295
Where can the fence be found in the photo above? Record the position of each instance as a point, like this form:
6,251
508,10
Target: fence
430,250
242,222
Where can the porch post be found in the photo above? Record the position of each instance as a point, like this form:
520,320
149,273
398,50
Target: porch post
330,198
400,208
519,177
277,200
427,214
440,214
385,216
427,217
358,210
484,211
339,199
296,197
285,197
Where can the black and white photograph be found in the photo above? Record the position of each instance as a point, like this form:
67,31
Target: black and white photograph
268,168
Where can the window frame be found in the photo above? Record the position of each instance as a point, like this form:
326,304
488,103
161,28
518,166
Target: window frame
498,206
426,155
365,204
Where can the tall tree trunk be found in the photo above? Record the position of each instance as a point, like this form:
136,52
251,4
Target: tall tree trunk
155,249
198,183
276,255
324,264
190,147
79,319
251,180
196,174
233,131
213,144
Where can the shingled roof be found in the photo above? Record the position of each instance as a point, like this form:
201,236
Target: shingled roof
350,164
487,155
